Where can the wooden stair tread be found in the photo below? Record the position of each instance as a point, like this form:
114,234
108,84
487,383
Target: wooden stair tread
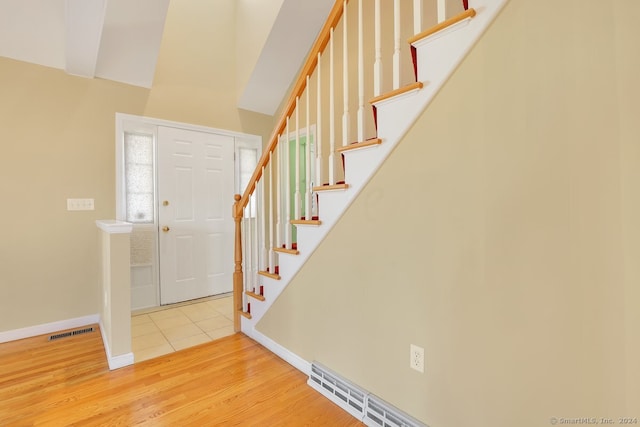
355,146
254,295
244,314
269,275
306,222
330,187
406,89
287,251
469,13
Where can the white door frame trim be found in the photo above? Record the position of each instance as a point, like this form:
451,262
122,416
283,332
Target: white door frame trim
129,122
150,122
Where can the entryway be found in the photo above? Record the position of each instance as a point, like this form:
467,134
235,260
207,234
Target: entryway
164,330
175,184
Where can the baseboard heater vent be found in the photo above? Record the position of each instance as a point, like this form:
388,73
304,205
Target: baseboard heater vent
366,407
70,333
380,413
341,392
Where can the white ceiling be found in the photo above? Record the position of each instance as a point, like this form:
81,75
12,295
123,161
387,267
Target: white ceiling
294,31
120,39
33,31
115,39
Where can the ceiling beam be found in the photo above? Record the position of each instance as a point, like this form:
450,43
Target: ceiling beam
84,21
292,35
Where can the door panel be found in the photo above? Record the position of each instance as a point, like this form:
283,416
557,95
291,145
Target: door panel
195,192
183,192
215,265
215,192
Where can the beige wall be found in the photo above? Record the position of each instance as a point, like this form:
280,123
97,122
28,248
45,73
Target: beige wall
627,57
58,134
116,288
195,79
502,236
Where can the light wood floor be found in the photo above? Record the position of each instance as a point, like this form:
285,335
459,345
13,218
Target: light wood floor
231,381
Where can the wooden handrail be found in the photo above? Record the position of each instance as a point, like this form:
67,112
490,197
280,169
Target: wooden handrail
298,89
469,13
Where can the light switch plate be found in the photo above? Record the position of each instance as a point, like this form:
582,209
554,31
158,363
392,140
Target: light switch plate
80,205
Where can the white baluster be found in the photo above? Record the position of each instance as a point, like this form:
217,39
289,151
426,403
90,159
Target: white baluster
345,79
377,65
360,114
272,260
417,16
254,239
442,10
319,124
248,248
256,242
278,194
332,114
287,189
264,258
246,273
297,200
307,161
396,44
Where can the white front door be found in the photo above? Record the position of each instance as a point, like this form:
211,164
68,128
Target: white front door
195,195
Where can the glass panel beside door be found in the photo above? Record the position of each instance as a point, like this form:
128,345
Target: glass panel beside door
139,187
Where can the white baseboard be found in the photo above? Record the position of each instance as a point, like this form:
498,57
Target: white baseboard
291,358
47,328
115,362
120,361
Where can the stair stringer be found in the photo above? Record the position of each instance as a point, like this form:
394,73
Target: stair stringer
438,56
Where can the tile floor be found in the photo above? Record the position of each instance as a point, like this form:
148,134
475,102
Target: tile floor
163,331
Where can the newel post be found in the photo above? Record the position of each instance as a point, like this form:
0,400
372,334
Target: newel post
238,284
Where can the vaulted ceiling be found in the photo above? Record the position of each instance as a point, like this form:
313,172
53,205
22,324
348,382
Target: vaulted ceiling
120,39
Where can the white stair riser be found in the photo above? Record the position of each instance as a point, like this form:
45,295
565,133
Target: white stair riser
330,204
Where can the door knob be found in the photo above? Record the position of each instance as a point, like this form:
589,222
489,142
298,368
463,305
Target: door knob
165,203
165,228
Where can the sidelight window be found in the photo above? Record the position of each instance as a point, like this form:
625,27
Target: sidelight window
139,180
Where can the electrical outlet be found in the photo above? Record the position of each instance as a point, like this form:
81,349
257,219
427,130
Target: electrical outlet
416,360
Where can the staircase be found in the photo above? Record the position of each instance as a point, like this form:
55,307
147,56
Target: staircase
328,143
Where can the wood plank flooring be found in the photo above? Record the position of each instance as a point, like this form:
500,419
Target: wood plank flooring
233,381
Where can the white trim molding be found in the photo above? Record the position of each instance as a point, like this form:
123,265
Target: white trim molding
115,362
47,328
291,358
113,226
